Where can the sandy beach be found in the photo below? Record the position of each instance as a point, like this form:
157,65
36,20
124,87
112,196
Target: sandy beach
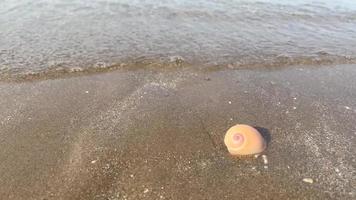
158,134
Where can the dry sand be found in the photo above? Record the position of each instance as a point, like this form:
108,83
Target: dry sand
158,134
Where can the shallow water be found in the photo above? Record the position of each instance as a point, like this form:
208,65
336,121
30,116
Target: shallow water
62,35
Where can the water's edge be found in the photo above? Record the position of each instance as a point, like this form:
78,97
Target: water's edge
171,63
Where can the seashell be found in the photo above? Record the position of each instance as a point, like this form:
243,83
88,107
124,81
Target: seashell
242,140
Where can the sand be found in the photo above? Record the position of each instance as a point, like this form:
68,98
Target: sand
158,134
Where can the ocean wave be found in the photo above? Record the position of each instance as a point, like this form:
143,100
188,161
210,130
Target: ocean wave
174,63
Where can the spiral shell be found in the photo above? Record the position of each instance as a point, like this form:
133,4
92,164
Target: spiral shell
242,140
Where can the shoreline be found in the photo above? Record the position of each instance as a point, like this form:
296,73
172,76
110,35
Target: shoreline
275,62
150,134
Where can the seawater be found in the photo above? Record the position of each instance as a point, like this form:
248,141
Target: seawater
76,35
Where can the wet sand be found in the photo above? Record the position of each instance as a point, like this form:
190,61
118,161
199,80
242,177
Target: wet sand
158,134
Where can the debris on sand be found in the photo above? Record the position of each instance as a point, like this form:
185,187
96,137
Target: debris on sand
308,180
265,160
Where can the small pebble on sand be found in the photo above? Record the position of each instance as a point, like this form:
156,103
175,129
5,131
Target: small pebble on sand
294,108
265,160
257,155
93,161
145,191
87,92
229,102
131,175
308,180
266,167
347,108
